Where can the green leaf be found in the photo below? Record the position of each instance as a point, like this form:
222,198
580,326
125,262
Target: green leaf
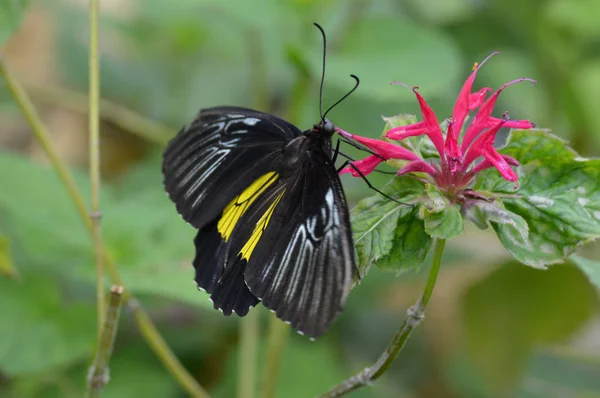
38,330
391,234
152,246
482,213
558,197
11,14
6,263
445,224
590,267
376,50
514,309
442,219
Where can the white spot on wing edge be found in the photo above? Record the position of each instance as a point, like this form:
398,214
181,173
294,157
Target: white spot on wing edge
250,121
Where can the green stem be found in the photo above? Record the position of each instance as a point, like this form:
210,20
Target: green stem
249,326
249,334
415,315
147,328
43,137
94,151
277,338
99,372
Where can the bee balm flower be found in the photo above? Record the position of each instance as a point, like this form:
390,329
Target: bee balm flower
458,157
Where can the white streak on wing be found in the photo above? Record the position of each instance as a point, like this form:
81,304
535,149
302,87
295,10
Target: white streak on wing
304,260
299,236
189,174
200,179
314,307
250,121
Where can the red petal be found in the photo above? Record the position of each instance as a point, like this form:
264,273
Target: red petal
500,163
366,166
453,153
463,101
433,127
417,166
486,164
461,107
484,140
478,97
512,124
485,111
384,149
402,132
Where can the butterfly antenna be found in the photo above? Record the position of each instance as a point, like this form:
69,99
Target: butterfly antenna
357,82
323,72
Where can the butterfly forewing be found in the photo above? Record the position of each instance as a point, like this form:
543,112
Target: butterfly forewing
218,156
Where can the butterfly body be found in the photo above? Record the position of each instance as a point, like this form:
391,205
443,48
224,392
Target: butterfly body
272,219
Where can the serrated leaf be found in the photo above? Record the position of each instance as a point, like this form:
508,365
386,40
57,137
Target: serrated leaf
387,233
38,330
515,309
558,197
441,218
482,213
444,224
410,244
436,201
11,15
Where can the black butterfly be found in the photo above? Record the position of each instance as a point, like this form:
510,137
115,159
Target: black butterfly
272,219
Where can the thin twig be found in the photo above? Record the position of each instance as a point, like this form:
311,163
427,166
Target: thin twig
147,328
94,152
247,365
99,373
415,315
112,112
276,340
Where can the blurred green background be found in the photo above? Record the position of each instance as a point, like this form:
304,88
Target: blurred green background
493,329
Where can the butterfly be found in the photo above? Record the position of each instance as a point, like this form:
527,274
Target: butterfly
272,219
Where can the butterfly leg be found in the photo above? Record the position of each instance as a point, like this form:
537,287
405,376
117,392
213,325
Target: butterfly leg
336,151
348,163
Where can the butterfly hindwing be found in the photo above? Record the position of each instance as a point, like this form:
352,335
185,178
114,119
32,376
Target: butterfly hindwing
218,156
302,262
226,286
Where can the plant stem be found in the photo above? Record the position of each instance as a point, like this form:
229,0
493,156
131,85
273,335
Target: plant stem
147,328
43,137
277,337
247,365
116,114
94,153
99,372
415,315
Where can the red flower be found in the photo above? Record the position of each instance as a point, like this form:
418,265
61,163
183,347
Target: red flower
456,167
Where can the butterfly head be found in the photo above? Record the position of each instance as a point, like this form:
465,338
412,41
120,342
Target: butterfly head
325,127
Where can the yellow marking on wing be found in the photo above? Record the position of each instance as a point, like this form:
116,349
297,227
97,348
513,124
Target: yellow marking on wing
260,227
238,206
